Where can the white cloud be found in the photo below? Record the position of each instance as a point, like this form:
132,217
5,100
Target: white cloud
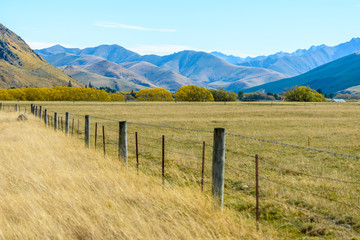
160,49
125,26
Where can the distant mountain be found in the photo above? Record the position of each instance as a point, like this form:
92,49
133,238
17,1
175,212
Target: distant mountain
340,75
171,71
210,71
161,77
22,67
298,62
98,80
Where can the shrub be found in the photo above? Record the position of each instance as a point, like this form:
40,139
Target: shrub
221,95
304,94
154,94
193,93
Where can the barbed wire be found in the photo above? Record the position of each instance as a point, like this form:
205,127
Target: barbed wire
306,174
292,145
313,194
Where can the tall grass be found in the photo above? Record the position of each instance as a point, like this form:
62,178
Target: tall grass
52,187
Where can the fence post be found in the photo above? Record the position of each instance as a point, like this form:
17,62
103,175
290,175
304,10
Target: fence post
40,112
95,134
103,134
257,190
1,107
137,151
16,107
36,111
45,117
87,131
163,160
55,121
67,123
32,108
218,168
123,150
203,167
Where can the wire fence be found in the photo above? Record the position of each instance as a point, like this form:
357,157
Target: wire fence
265,186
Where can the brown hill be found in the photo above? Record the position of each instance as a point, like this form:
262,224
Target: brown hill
20,66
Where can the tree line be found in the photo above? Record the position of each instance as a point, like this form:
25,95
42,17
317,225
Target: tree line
188,93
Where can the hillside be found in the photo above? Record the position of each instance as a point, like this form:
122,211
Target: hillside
161,77
22,67
298,62
49,193
98,80
335,76
208,70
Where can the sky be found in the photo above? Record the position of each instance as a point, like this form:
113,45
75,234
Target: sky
237,27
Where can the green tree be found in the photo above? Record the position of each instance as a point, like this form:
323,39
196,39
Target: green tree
193,93
240,95
304,94
221,95
69,85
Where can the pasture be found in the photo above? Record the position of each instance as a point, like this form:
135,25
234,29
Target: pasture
303,193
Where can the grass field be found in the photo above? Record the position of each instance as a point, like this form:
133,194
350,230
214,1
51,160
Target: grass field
54,188
303,193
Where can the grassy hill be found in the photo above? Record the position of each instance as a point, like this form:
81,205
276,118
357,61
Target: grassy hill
335,76
22,67
54,188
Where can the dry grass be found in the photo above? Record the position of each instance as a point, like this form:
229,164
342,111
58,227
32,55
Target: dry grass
53,188
329,126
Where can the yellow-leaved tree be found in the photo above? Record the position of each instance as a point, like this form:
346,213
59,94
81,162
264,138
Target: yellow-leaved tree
193,93
154,94
304,94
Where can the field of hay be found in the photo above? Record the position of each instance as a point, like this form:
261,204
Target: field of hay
303,193
52,187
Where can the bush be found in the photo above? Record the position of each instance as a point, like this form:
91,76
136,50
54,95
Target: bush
221,95
304,94
154,94
259,96
193,93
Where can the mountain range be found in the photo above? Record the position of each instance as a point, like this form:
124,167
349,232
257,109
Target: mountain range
298,62
20,66
342,75
170,71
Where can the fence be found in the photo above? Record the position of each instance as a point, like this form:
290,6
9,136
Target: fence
256,178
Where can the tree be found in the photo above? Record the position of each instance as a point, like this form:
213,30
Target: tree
90,85
221,95
69,85
193,93
154,94
304,94
240,95
133,93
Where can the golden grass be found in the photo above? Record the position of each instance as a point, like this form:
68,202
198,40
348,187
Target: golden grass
328,126
52,187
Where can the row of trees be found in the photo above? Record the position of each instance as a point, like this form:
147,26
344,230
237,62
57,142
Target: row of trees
59,94
186,93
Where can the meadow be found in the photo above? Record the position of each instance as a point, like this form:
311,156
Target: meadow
303,193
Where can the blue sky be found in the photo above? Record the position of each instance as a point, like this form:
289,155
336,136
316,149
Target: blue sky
238,27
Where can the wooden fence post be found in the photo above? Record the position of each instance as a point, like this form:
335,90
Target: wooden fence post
218,168
137,151
67,123
16,107
95,134
163,160
36,111
1,107
32,108
203,167
103,135
40,112
87,131
45,117
257,190
55,121
123,149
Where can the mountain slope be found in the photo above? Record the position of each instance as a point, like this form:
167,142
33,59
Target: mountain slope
159,76
22,67
298,62
332,77
208,70
99,81
112,70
